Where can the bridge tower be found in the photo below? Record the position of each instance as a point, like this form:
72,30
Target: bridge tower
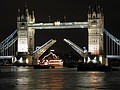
95,31
25,33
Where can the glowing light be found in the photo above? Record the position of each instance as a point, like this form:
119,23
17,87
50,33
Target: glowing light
46,63
57,23
100,59
27,61
52,50
94,60
56,62
88,60
15,59
21,60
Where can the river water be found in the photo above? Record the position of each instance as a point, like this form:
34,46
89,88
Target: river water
27,78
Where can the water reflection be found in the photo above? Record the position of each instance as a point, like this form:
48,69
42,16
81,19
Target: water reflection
94,79
90,80
27,78
51,79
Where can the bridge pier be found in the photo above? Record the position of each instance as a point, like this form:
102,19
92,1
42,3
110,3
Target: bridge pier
98,59
25,36
24,60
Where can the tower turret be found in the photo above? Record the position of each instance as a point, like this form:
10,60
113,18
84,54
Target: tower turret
18,15
95,31
89,13
33,16
26,13
25,33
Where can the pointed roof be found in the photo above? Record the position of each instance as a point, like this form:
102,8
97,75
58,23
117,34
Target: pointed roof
89,10
26,12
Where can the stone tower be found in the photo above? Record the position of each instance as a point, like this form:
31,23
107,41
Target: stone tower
95,30
25,33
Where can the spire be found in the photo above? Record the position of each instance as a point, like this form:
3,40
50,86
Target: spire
33,16
26,12
89,10
18,16
96,10
99,10
25,16
96,7
18,12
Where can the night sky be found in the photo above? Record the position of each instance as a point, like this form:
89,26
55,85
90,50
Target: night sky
74,10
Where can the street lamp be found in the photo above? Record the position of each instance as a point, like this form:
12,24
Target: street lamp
84,53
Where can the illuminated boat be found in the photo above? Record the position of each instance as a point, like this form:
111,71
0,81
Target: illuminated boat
52,60
56,63
43,65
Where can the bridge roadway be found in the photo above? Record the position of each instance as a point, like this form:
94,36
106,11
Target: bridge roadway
6,57
58,25
113,56
108,56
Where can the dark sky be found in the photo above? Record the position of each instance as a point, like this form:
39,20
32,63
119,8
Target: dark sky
74,10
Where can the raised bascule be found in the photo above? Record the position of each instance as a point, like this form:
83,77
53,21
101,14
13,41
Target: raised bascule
26,27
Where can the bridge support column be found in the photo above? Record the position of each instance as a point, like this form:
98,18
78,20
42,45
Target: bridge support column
25,34
105,61
29,60
95,32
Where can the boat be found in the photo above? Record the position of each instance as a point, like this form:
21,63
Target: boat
49,61
42,66
52,60
95,67
56,63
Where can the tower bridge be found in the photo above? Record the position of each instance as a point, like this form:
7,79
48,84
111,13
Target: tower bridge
26,27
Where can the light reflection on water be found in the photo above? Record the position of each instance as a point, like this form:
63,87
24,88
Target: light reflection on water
27,78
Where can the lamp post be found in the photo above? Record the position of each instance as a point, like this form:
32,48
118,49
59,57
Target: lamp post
84,54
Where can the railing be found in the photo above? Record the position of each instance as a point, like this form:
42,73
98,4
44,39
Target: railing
7,39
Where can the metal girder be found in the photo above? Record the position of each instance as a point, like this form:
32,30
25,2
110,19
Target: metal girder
117,41
75,47
5,47
38,52
4,42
